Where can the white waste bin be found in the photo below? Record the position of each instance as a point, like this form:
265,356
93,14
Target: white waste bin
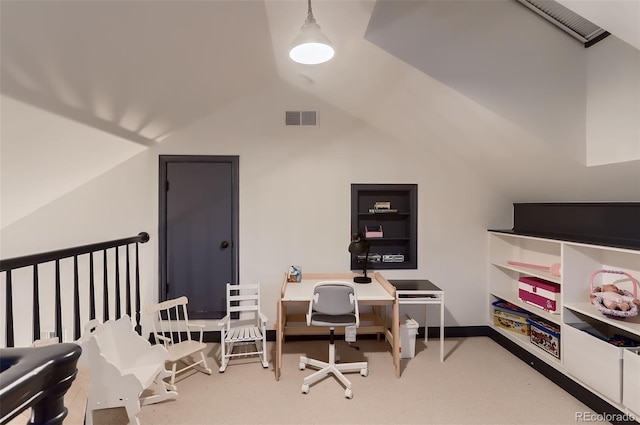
408,332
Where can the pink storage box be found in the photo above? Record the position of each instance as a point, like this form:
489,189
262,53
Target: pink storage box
373,231
540,293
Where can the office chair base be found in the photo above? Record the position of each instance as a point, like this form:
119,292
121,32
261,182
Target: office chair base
332,368
348,393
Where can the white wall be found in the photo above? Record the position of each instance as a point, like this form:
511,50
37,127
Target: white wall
286,175
498,54
581,105
44,155
613,102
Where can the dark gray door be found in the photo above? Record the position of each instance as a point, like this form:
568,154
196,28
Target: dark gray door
198,228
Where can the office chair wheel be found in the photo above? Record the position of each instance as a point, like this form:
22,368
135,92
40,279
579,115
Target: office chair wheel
348,393
305,389
364,372
302,366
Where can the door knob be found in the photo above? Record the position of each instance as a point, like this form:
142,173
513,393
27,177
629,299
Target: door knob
224,245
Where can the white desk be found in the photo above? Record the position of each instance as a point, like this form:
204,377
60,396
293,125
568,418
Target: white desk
366,293
377,293
422,292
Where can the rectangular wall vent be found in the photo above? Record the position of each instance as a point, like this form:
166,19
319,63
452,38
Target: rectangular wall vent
300,118
584,30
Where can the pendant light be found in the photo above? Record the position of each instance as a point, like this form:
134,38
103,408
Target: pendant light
311,47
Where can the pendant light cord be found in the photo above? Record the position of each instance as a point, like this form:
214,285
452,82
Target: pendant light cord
310,18
310,47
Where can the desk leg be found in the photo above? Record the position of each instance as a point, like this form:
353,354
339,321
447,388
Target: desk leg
379,315
395,329
442,327
426,325
279,336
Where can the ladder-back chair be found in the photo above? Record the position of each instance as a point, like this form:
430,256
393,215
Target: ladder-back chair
248,330
171,327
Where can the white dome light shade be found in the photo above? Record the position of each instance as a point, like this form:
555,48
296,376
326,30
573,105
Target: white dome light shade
311,47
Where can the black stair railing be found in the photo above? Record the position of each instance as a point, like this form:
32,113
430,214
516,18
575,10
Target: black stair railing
37,378
8,266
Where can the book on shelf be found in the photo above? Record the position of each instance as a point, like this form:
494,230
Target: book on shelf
382,210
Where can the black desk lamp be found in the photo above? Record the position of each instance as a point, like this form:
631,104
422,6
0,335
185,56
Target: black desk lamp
359,245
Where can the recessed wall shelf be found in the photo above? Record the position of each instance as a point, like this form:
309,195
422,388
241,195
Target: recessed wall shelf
399,242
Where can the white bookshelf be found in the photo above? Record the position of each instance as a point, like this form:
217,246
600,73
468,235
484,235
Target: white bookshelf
581,352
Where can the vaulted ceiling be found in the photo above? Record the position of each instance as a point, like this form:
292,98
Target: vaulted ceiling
144,69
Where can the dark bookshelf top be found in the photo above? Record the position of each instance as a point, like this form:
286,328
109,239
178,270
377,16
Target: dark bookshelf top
589,240
614,224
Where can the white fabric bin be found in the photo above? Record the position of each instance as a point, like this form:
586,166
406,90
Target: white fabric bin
630,379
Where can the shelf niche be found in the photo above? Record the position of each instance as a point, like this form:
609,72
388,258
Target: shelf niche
400,227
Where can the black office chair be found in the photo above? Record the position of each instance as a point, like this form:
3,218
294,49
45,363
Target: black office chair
333,304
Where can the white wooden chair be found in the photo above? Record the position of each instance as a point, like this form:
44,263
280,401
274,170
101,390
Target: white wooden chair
171,327
248,330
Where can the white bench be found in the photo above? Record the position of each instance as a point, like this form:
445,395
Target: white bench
122,364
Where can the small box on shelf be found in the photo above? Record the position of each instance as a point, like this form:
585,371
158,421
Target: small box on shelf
382,208
393,258
373,231
540,293
373,257
511,318
545,335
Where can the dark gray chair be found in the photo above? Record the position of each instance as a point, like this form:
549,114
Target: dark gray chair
333,304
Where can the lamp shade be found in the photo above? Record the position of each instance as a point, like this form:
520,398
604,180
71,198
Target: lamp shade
311,47
358,245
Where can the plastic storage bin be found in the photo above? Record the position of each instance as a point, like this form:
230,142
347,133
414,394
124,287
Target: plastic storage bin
408,332
545,335
374,231
511,318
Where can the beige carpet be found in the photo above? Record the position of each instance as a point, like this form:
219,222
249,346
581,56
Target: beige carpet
478,383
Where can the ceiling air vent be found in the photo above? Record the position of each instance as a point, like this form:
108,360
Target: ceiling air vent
300,118
586,31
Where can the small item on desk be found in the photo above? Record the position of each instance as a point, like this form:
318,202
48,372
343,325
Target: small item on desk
295,274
